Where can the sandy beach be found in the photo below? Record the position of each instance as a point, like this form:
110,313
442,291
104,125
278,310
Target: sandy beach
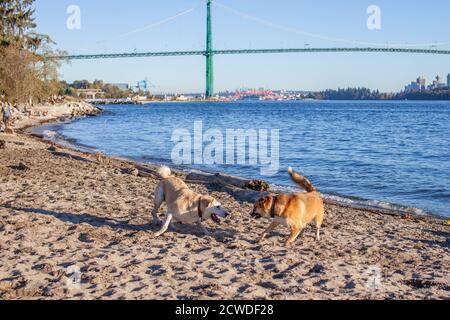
77,226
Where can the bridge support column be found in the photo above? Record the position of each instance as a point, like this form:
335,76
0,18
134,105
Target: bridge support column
209,54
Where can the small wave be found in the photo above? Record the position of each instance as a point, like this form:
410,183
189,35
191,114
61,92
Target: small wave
374,204
48,134
360,203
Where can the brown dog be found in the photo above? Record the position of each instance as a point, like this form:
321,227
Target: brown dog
294,211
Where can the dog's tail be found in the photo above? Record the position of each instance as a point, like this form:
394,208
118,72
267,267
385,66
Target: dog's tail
165,172
301,181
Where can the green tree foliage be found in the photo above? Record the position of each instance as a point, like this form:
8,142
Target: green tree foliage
367,94
18,24
350,94
25,72
110,91
437,94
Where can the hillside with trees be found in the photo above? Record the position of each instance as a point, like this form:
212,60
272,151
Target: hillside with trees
367,94
110,91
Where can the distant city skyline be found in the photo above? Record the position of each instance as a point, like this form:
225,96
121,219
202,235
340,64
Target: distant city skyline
421,84
125,27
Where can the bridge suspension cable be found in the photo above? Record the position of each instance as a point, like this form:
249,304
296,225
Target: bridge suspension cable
152,25
319,36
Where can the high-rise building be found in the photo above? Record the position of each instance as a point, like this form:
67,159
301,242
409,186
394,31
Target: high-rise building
422,82
448,80
437,84
418,85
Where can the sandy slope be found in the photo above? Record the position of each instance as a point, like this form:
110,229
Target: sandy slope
65,214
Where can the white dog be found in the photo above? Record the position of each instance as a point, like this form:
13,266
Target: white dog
183,205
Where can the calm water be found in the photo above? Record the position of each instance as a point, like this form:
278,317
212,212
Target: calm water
371,153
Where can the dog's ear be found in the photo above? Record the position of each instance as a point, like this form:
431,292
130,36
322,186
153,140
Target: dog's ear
267,201
206,202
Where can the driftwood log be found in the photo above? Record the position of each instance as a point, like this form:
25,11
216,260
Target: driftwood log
239,188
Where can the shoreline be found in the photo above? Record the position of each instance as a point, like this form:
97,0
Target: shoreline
357,203
64,211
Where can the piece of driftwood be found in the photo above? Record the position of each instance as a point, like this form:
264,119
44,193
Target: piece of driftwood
240,194
130,171
69,156
216,178
20,167
37,135
235,186
147,171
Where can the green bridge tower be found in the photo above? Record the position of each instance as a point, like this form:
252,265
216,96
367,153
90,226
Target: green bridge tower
209,54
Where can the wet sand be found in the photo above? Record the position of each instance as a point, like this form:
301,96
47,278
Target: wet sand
77,226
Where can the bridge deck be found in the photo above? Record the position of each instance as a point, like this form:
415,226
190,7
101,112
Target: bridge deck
247,51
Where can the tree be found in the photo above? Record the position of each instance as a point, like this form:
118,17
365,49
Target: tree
17,22
17,76
98,84
349,94
26,70
17,25
81,84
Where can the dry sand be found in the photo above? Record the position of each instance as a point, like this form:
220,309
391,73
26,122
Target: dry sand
73,226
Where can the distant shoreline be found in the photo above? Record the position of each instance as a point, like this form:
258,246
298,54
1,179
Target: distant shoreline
256,100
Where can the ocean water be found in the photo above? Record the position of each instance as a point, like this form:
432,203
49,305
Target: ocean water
392,155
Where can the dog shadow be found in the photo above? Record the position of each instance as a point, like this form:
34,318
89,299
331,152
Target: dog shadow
218,233
84,218
97,222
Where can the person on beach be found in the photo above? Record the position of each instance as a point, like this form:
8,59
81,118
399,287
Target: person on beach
6,115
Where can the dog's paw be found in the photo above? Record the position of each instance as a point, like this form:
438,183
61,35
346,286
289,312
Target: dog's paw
158,234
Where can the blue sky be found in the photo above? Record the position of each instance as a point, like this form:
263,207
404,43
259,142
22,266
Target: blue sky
103,23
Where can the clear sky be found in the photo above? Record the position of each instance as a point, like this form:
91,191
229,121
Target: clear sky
125,26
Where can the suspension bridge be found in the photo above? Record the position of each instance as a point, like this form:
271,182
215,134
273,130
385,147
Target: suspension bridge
210,52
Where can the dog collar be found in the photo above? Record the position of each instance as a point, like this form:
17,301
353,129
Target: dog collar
199,208
272,210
